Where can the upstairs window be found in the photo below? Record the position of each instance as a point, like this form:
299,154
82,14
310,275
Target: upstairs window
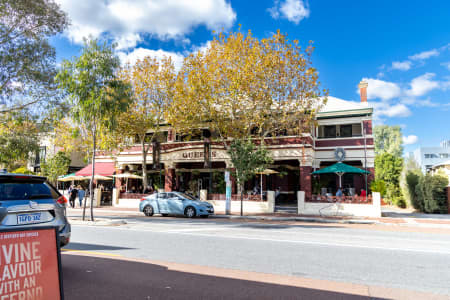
340,131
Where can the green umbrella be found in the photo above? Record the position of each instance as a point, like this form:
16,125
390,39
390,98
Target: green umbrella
340,169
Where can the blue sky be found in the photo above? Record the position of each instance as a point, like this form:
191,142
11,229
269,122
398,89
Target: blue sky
401,48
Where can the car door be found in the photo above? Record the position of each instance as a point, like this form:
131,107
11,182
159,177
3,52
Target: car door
175,204
162,203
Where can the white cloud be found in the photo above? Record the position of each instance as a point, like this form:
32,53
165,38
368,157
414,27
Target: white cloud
381,89
140,53
446,64
382,109
128,22
403,66
422,85
424,55
293,10
410,139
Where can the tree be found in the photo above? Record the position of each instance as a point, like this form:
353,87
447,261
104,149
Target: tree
55,166
27,60
18,139
247,159
241,86
409,180
152,81
388,168
96,93
388,139
378,186
430,191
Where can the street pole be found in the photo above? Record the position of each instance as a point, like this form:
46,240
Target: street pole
365,155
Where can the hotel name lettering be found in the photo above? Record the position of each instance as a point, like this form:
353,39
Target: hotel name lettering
197,154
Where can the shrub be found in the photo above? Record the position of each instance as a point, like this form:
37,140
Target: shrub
412,179
378,186
430,191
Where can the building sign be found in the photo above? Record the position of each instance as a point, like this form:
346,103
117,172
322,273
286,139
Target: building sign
197,154
339,154
30,264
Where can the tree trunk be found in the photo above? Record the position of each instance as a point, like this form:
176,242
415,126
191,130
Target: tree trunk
144,165
242,200
91,184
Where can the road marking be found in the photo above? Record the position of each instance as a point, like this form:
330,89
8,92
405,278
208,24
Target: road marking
178,231
91,252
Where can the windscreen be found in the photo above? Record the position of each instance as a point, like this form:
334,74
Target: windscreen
12,189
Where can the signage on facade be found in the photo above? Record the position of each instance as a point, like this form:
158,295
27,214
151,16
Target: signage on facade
30,264
197,154
339,154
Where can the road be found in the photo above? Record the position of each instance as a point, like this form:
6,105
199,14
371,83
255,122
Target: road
355,257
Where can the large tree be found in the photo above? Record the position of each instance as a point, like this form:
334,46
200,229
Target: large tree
97,95
242,86
152,81
55,166
388,168
27,60
388,139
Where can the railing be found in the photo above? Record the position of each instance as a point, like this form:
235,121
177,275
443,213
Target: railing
235,197
341,199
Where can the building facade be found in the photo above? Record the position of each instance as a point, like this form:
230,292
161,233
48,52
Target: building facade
343,132
427,157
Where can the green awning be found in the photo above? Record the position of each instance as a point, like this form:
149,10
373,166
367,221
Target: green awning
341,168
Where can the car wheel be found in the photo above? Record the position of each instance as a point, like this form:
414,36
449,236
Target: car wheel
189,212
164,215
204,216
148,211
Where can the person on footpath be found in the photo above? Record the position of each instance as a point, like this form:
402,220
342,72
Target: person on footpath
81,194
73,195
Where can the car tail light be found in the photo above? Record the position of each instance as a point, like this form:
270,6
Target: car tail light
142,199
62,200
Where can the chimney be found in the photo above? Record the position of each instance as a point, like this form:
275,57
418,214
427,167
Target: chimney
363,91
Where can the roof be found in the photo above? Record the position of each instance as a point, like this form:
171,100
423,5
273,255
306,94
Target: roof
445,163
101,168
338,105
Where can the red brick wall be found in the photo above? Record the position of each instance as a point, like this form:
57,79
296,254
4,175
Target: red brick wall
305,181
342,142
169,179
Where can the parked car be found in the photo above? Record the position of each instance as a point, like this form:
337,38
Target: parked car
175,203
27,200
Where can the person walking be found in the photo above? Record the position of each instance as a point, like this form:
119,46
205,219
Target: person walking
81,194
73,195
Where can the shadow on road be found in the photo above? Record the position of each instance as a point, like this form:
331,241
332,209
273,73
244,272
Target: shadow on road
93,247
87,277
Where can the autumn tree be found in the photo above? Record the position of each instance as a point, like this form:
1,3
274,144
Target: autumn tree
27,60
97,95
55,166
242,86
152,82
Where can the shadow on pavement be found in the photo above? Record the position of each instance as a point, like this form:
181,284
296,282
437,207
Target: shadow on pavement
92,247
87,277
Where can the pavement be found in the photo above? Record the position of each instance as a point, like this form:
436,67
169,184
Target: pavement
392,216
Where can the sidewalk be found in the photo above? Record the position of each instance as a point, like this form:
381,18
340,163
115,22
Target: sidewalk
392,218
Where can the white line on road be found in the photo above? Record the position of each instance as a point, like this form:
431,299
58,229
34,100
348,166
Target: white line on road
244,237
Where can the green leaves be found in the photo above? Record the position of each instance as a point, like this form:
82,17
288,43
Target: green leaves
247,159
388,139
55,166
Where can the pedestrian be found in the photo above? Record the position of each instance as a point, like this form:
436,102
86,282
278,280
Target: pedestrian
363,194
81,194
339,193
277,193
73,195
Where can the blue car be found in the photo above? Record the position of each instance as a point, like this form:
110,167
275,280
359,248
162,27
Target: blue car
175,203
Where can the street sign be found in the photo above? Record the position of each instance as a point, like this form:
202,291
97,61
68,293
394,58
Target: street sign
30,264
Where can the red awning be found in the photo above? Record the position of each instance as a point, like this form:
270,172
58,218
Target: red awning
101,168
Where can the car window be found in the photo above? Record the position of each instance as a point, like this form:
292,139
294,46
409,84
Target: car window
25,190
162,195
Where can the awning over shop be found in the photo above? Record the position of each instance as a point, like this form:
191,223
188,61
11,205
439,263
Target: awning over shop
341,168
101,168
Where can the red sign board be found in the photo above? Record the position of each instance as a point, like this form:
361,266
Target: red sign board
30,264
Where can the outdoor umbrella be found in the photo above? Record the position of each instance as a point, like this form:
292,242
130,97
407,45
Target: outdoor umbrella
70,177
127,175
265,172
97,177
340,169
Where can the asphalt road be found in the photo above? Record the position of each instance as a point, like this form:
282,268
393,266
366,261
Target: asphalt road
414,261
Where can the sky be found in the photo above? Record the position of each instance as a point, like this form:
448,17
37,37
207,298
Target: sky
401,48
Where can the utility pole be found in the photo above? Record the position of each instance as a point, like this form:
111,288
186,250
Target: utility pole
365,155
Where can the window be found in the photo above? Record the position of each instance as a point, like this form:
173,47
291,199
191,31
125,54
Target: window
443,155
431,155
329,131
346,131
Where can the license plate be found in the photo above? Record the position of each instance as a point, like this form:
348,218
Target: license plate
29,218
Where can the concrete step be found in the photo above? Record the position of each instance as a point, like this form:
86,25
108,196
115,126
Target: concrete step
286,209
